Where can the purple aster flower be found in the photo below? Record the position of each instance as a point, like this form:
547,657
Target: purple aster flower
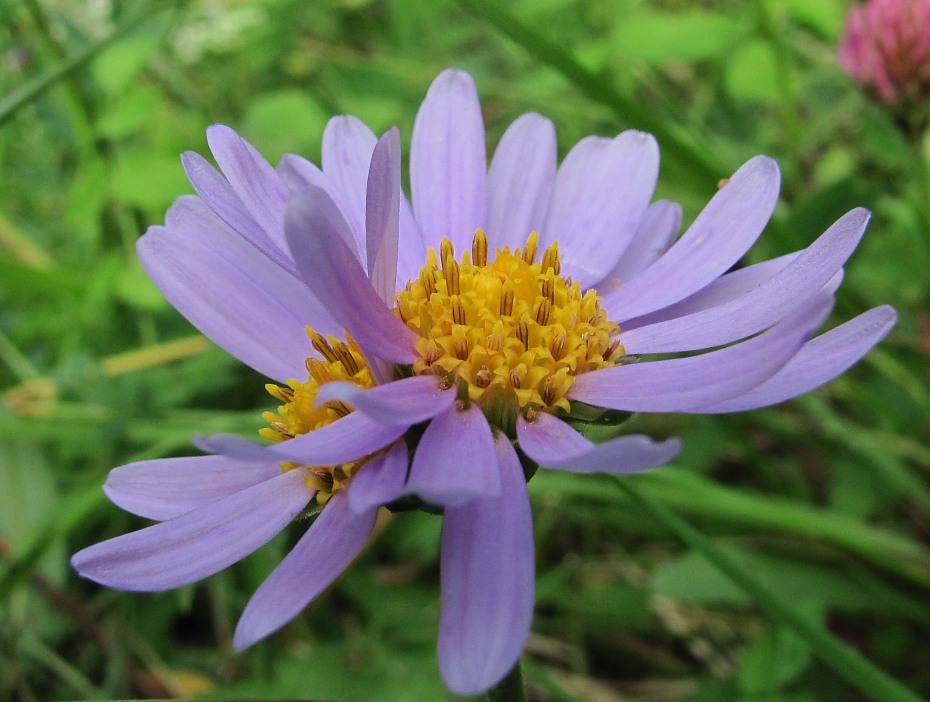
421,349
886,48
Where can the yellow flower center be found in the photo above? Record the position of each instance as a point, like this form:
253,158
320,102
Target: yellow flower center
297,416
512,334
512,330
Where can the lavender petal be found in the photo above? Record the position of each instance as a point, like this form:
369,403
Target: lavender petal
601,192
199,543
232,293
380,481
329,546
447,161
551,443
407,401
316,234
726,229
487,578
165,488
763,305
454,461
819,361
520,181
689,384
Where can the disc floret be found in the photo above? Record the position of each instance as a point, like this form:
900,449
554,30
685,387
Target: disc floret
298,416
508,328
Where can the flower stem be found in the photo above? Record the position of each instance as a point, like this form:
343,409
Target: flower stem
845,661
510,689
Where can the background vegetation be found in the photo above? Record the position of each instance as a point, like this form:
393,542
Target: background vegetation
824,499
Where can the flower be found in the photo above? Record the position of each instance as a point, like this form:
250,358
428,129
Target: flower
886,48
449,338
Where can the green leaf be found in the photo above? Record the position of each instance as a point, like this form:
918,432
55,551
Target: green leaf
823,16
752,73
131,112
28,498
773,660
135,288
285,121
692,35
116,69
149,180
692,578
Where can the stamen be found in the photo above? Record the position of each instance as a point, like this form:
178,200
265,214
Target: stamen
451,273
318,371
479,248
615,350
285,394
458,310
445,252
281,428
428,281
460,349
548,392
543,311
495,342
551,259
346,358
548,288
558,347
339,407
433,353
322,346
529,253
523,332
507,298
510,330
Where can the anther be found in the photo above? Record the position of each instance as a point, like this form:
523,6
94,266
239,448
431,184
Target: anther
515,379
318,371
322,346
548,392
281,428
495,342
483,377
479,248
283,393
458,310
529,253
339,407
451,272
543,311
558,347
445,251
551,259
614,350
460,349
346,358
548,288
523,332
426,278
433,353
507,297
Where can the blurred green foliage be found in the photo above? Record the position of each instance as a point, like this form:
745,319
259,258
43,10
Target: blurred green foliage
824,499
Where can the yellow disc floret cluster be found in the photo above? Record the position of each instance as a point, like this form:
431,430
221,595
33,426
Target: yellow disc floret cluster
512,327
297,416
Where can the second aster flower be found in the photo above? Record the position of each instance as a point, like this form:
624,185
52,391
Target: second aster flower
452,340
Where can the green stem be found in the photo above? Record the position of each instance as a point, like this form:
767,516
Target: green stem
31,90
510,689
845,661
